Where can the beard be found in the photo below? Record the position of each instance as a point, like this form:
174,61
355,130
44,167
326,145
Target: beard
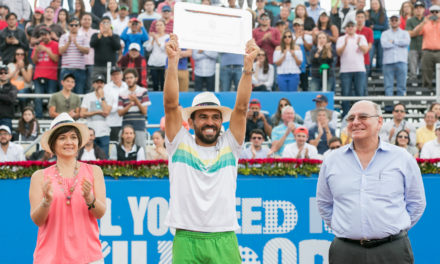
207,139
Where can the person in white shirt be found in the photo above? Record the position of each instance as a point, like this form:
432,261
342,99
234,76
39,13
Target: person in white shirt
112,88
95,109
149,13
300,149
91,151
121,22
9,150
431,149
389,130
256,150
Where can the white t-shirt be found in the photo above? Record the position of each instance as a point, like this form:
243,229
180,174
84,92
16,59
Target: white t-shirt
88,155
97,122
111,93
430,150
119,25
291,151
203,181
352,59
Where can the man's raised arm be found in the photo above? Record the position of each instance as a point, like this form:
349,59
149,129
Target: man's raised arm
173,116
237,123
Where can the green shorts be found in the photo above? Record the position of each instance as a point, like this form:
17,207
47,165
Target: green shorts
213,248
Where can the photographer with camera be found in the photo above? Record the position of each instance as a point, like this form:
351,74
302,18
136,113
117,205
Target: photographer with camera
430,30
12,38
256,119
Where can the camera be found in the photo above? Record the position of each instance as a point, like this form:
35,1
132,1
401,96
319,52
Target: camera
255,115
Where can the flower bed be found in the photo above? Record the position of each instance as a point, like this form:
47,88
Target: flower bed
159,168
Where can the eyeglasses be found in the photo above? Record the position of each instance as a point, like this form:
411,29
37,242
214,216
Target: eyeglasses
4,134
361,117
3,72
335,147
288,36
351,25
259,138
394,19
106,23
399,111
261,54
400,136
283,105
19,54
74,25
434,12
265,18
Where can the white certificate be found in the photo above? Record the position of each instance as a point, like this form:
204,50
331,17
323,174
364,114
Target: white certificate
203,27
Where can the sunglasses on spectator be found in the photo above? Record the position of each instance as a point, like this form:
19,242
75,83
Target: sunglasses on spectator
399,111
261,54
400,136
283,105
19,53
435,12
360,117
288,36
265,18
74,25
394,19
335,147
259,138
3,72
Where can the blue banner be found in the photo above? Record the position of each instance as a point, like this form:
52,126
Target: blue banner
278,217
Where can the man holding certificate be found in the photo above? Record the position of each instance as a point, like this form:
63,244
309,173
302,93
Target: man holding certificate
203,170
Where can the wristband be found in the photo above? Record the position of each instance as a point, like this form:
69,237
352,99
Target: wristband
245,72
92,204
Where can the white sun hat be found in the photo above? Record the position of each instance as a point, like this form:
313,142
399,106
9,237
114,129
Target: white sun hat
64,119
206,100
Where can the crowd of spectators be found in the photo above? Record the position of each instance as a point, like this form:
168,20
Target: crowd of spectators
66,52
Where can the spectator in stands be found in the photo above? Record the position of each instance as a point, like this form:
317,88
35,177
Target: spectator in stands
351,48
257,119
204,69
95,108
321,102
12,38
256,150
276,120
137,34
21,8
308,22
113,88
161,6
37,18
132,105
158,57
230,71
63,20
333,143
9,150
350,16
20,74
80,10
57,6
112,11
427,132
134,60
367,32
390,128
4,10
261,9
415,46
431,149
121,22
395,43
284,16
149,13
281,26
167,17
322,56
403,140
378,22
341,15
98,7
157,151
435,107
55,30
127,149
262,79
73,47
288,57
321,132
28,127
325,25
42,155
91,151
300,149
283,133
314,10
406,12
430,30
266,37
106,44
65,100
45,57
87,30
8,97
